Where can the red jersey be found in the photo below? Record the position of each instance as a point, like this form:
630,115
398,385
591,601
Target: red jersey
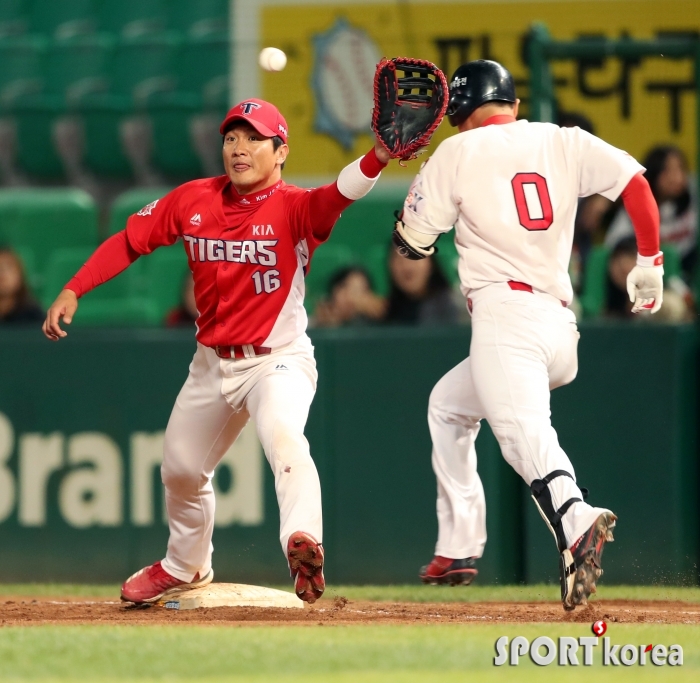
248,253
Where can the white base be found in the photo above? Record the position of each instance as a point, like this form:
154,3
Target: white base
232,595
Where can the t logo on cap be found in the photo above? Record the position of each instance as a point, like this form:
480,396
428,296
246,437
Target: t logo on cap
263,116
248,107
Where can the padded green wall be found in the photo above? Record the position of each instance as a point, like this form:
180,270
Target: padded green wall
628,422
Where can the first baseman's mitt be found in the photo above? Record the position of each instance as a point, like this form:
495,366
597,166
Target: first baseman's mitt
410,99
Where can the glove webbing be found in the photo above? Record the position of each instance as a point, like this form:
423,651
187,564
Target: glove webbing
543,499
421,82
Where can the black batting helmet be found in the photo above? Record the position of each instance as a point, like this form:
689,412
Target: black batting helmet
477,83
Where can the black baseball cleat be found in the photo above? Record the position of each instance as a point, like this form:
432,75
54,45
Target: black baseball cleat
579,566
445,570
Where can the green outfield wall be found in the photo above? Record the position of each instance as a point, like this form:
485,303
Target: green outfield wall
81,426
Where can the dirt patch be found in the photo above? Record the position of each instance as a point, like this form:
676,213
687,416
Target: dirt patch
340,611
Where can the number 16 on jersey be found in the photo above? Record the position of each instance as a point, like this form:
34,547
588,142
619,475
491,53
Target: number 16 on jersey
267,281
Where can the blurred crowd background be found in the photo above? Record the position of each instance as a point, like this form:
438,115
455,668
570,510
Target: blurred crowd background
105,105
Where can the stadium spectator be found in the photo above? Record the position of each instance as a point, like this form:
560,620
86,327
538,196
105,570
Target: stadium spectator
186,312
419,292
17,305
351,300
667,173
677,298
571,119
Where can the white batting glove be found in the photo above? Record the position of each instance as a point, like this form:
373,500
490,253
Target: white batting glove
645,283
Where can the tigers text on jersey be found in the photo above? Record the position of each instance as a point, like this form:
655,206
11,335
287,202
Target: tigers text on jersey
511,191
248,256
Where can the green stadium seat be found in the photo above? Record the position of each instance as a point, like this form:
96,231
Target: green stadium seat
43,220
202,66
141,66
62,18
117,302
78,66
595,282
174,152
131,202
199,18
14,17
375,260
369,220
672,261
63,264
326,261
73,68
134,17
164,270
20,68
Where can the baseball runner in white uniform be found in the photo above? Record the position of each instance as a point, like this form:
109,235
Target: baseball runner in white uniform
510,189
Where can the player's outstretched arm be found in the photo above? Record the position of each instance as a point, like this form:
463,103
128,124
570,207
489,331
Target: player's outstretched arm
608,171
326,203
112,257
645,283
65,306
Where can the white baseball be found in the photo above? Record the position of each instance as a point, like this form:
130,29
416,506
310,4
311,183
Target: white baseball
272,59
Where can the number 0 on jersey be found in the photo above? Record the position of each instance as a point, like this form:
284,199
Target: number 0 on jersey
532,201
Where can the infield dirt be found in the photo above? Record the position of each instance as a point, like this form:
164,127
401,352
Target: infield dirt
340,611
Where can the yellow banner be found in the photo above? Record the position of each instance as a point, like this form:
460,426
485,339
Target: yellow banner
325,91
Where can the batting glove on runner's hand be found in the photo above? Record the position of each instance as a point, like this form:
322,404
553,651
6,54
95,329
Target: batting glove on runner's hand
645,283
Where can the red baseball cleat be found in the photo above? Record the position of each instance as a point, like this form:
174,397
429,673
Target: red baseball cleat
150,584
305,558
446,570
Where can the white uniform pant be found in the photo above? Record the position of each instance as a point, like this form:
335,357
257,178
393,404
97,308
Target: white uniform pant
215,403
523,345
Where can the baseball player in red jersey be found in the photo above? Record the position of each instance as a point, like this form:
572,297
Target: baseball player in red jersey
510,189
249,239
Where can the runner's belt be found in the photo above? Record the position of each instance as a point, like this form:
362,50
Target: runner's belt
522,287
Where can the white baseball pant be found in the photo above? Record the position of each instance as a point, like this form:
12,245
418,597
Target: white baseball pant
215,403
523,346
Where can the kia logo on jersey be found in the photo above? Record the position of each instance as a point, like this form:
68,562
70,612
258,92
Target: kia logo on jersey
249,107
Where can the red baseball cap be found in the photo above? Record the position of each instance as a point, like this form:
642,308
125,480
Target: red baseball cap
263,116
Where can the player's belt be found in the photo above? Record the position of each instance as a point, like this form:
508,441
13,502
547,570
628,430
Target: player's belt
519,286
240,351
522,287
